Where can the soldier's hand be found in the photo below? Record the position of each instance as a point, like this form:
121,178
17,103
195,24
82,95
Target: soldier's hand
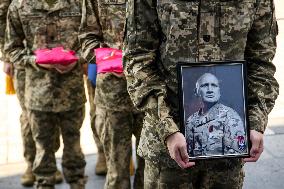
46,66
8,69
256,139
65,68
176,144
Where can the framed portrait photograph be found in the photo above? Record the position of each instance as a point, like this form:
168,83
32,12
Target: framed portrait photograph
213,109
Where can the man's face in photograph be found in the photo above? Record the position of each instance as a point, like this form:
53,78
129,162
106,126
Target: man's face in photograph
209,89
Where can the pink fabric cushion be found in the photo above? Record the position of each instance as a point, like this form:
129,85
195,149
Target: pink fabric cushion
109,60
55,56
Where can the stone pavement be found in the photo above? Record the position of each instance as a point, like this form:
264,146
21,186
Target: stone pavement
267,173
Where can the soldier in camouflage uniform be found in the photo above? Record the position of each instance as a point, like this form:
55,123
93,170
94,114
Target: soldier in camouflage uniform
116,117
53,99
29,149
215,128
162,33
100,168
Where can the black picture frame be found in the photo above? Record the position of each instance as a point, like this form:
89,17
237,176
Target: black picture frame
213,109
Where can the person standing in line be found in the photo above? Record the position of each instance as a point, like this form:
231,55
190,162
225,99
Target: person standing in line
18,74
159,35
54,94
101,168
116,118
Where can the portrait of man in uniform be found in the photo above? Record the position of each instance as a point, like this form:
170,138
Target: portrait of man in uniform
213,129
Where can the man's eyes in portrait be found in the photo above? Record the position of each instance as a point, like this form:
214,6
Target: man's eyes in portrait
207,85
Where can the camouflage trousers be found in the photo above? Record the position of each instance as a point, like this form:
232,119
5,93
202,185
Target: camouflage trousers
44,126
214,174
115,129
27,138
91,94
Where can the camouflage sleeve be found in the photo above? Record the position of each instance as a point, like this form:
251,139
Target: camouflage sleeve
4,4
90,34
263,88
14,47
145,86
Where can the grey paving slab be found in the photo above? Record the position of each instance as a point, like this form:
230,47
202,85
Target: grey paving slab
265,174
278,129
268,172
12,181
275,145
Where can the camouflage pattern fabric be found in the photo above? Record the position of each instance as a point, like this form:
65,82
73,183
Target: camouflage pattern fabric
19,82
217,132
115,129
44,126
107,30
160,34
44,27
111,92
112,16
53,100
28,141
202,176
157,177
4,4
91,93
115,114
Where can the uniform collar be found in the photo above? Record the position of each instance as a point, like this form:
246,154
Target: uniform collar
42,5
213,108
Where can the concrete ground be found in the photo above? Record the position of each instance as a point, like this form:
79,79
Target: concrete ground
267,173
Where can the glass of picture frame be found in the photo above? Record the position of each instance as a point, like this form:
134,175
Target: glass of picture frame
213,109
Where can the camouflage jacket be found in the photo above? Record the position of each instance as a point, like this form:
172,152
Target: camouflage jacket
219,131
107,31
40,26
162,33
4,4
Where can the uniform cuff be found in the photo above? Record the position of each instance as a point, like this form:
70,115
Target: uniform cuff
257,119
167,128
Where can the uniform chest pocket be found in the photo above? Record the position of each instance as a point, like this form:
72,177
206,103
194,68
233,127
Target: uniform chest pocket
113,2
69,20
112,19
32,19
68,27
178,21
70,14
236,17
35,28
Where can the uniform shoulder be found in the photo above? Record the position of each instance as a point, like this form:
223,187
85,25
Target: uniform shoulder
192,117
227,109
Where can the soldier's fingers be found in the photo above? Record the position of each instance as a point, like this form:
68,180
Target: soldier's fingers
255,151
179,160
253,159
185,158
184,154
256,142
